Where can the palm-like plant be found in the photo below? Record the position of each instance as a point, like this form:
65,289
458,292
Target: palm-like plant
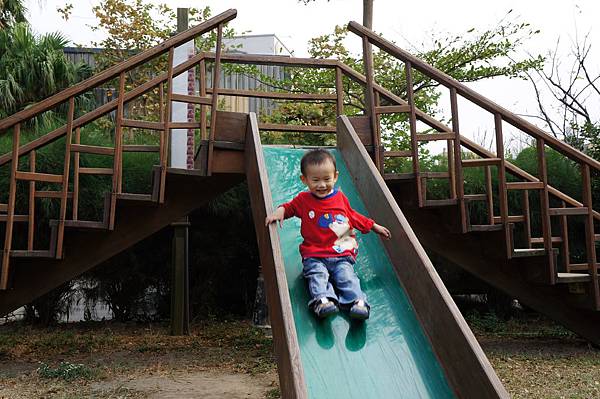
33,67
11,12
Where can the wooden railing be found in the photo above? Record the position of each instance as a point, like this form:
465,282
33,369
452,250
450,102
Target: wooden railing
568,206
73,144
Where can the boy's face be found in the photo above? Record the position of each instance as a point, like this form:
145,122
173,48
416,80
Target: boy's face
320,178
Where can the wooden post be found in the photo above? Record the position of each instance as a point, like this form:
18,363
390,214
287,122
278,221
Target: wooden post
339,91
527,217
414,144
370,99
502,192
215,99
12,193
76,164
460,187
489,194
180,311
590,242
60,235
545,210
31,227
564,233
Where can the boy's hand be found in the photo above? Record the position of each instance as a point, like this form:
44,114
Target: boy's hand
276,216
382,231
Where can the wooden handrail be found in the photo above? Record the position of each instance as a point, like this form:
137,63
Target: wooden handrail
116,70
472,96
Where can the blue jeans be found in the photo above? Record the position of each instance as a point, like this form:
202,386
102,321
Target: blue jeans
333,278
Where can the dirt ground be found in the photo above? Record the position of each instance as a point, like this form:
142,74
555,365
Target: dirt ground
231,359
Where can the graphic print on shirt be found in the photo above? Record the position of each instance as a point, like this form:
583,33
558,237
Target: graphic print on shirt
340,226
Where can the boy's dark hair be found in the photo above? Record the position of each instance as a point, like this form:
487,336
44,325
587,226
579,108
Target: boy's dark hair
316,157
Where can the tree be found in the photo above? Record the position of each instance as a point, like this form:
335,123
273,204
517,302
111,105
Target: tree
11,12
574,92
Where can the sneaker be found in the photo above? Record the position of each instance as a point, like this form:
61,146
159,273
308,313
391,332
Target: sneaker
325,308
359,310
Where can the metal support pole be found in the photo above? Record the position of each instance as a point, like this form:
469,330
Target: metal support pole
180,307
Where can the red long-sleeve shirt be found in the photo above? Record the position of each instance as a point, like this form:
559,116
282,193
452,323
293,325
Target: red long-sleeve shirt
327,224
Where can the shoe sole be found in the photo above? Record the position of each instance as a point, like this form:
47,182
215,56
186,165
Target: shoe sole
359,316
324,314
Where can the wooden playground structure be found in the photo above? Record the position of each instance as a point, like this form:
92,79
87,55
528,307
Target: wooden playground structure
537,270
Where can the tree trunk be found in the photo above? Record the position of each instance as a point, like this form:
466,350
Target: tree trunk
368,13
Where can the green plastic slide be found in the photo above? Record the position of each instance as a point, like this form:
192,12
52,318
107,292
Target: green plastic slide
385,357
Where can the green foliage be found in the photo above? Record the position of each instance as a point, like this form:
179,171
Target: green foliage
65,371
33,68
11,12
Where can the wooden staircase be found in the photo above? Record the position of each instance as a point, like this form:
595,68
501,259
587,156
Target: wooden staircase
526,269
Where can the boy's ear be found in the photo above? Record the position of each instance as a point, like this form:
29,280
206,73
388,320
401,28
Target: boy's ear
337,173
303,179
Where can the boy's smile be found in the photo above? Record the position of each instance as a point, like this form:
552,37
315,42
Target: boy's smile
320,178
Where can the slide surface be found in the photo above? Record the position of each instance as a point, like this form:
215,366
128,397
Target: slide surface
388,356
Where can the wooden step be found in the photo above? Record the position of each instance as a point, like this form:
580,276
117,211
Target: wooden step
51,194
141,148
525,252
473,163
567,278
143,124
580,267
511,219
435,136
82,224
526,185
92,149
435,175
485,227
397,154
17,253
41,177
476,197
16,218
143,198
399,176
540,240
276,127
3,207
392,109
583,210
96,171
184,98
441,202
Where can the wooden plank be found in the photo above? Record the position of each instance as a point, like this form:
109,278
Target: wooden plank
472,163
397,153
231,126
449,334
570,278
526,216
3,207
275,95
485,227
370,102
435,175
545,210
458,173
225,161
436,136
281,60
579,267
287,351
203,88
540,240
137,124
567,211
525,185
166,134
399,176
15,219
185,98
440,202
96,171
51,194
510,219
392,109
141,148
276,127
362,126
114,71
476,197
92,149
42,177
184,125
564,235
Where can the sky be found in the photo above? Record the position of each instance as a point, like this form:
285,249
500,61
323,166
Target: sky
409,24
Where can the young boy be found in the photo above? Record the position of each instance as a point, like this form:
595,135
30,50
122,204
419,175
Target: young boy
329,249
